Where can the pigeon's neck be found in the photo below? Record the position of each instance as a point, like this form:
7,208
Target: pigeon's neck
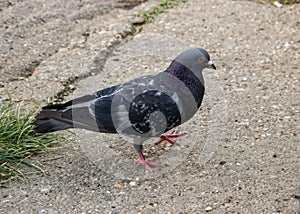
192,81
184,73
175,68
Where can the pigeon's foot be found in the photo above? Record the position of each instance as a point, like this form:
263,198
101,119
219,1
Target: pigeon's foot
147,163
168,137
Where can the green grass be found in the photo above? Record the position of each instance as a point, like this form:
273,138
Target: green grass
18,140
281,1
151,14
162,7
289,1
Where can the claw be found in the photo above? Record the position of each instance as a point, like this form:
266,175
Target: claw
168,137
148,163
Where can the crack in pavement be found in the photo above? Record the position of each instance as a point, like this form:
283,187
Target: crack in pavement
31,33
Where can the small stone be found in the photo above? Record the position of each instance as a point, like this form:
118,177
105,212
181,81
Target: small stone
72,87
265,97
227,205
222,162
138,21
207,209
85,203
166,148
132,183
35,72
45,190
118,186
256,136
277,4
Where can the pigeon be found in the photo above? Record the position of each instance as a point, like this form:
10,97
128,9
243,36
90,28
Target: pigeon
145,107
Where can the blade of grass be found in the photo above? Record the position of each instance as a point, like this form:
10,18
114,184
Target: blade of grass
151,14
18,141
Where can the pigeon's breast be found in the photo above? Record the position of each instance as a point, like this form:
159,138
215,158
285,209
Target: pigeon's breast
155,112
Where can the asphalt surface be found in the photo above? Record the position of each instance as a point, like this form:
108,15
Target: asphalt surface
241,153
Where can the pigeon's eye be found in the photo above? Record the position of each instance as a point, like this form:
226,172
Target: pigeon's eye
201,59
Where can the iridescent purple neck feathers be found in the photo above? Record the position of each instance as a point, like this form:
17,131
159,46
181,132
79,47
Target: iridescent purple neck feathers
191,81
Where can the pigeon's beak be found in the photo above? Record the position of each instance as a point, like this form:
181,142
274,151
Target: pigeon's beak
211,65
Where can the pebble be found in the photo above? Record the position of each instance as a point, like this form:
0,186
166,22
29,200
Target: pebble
275,107
132,183
118,186
277,4
256,136
72,87
207,209
138,20
222,162
45,190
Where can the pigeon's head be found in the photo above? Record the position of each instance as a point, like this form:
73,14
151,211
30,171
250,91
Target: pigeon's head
204,59
196,59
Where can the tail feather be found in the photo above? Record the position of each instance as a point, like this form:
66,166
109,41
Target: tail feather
77,113
50,120
50,125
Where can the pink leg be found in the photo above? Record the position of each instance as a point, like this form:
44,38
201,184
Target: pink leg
147,163
168,137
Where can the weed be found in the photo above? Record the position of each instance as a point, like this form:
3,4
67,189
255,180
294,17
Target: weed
153,12
18,140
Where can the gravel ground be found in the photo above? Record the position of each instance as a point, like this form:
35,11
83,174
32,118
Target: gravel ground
40,29
244,155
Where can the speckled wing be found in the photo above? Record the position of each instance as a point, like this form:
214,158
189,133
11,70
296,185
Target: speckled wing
150,105
94,113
